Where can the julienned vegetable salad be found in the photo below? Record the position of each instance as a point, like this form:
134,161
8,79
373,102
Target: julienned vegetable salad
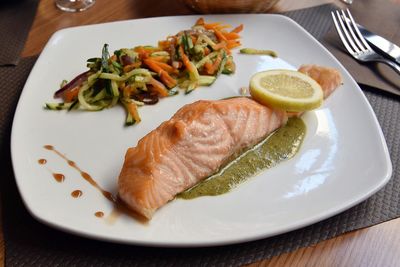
143,74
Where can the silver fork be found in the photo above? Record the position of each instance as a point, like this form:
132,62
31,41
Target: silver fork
354,42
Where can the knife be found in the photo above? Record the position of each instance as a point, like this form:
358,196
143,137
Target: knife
384,46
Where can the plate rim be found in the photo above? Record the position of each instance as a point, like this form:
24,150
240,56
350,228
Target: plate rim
299,224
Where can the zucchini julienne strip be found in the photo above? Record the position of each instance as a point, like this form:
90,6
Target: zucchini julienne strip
84,103
132,115
252,51
206,80
115,93
206,39
114,88
205,59
160,54
190,67
191,87
126,76
222,64
229,67
100,95
58,106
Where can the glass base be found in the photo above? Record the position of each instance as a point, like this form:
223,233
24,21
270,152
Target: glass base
349,2
74,5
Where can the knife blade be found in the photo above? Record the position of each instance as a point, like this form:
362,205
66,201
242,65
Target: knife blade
384,46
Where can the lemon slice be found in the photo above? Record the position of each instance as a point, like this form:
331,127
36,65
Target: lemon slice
286,89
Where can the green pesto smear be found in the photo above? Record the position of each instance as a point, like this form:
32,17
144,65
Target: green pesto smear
281,145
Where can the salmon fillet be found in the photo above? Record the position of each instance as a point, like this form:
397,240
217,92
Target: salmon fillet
328,78
191,146
197,141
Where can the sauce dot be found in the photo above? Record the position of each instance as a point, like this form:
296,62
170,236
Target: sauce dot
48,147
99,214
59,177
71,163
76,193
86,176
42,161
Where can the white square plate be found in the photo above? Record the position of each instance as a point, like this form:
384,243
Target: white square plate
343,160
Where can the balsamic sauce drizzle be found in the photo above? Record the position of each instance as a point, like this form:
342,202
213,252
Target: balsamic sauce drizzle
83,174
119,207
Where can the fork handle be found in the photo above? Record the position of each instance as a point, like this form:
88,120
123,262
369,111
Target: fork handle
391,64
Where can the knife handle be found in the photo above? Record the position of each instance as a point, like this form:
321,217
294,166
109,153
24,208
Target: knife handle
393,65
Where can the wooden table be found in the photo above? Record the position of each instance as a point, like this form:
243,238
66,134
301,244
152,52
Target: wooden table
375,246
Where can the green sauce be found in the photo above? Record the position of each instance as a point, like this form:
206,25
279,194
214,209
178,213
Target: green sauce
281,145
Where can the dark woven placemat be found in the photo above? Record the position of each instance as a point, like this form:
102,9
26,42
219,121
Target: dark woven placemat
28,242
16,17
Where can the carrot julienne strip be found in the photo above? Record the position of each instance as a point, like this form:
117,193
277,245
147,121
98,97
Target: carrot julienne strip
185,60
220,36
231,35
164,76
132,66
212,68
166,67
132,109
238,29
200,21
158,87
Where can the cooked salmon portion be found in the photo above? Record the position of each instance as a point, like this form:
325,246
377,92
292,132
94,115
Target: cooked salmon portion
191,146
328,78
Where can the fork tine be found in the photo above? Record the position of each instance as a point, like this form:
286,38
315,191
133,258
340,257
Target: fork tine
346,33
350,27
357,30
341,35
